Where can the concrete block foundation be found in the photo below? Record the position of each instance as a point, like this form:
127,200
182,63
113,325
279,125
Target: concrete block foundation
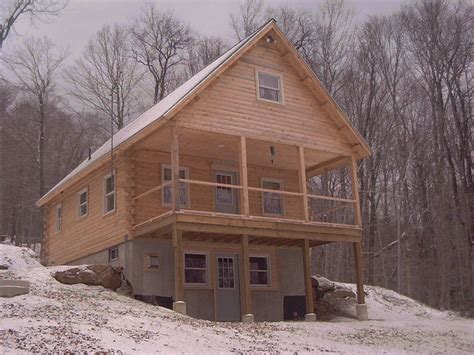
179,307
361,311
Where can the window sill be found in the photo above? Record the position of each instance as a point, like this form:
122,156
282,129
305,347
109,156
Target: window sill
109,213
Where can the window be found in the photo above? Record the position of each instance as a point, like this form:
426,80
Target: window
272,202
225,270
167,198
59,217
109,193
153,262
113,253
259,270
195,268
224,195
83,203
269,87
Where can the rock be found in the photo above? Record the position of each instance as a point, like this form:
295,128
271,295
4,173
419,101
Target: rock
12,288
326,285
3,267
341,293
93,275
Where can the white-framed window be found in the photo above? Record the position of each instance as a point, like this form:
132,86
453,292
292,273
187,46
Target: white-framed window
109,193
272,203
167,195
113,253
83,208
269,87
195,268
59,218
259,270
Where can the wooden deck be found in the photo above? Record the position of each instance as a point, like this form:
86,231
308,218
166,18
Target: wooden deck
263,230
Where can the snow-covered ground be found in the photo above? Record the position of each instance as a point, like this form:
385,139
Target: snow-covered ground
69,318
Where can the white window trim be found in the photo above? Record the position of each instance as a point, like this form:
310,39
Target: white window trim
282,197
186,175
269,270
58,222
86,190
104,199
206,254
280,80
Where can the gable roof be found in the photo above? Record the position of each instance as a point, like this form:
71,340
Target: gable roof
175,100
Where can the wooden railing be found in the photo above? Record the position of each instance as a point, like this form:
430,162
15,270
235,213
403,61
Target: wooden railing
346,202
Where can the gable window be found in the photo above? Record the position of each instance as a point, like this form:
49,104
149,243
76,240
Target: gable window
272,203
83,203
113,253
195,268
269,87
167,195
259,270
59,218
109,193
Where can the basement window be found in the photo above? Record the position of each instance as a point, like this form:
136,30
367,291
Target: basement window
83,203
269,87
59,218
113,253
109,193
153,262
272,203
259,270
195,268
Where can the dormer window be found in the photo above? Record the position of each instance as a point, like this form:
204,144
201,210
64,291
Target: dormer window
269,87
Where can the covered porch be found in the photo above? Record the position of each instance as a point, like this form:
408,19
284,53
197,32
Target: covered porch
300,226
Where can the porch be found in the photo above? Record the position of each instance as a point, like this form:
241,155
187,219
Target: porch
248,225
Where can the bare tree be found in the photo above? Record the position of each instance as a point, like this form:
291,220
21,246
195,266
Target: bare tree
105,77
34,65
204,51
159,42
250,17
12,10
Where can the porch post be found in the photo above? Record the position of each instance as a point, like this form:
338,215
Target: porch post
245,209
179,305
303,182
361,307
310,315
175,167
247,315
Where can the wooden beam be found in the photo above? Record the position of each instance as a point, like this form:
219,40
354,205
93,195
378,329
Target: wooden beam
307,277
245,206
326,166
178,264
175,167
303,183
355,193
247,297
359,272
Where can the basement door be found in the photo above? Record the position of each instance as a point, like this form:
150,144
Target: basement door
228,287
226,198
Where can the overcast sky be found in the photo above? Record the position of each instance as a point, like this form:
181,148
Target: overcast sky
82,18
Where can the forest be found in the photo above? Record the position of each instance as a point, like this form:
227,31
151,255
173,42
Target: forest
405,80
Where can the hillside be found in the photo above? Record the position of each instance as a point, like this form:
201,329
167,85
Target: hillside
59,318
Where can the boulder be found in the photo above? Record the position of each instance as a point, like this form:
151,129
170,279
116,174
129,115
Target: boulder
12,288
341,293
92,275
3,267
326,285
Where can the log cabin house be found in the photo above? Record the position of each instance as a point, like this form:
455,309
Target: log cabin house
203,199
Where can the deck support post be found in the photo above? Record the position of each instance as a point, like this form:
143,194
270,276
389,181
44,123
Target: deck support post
310,315
245,209
175,167
247,316
303,182
361,307
179,305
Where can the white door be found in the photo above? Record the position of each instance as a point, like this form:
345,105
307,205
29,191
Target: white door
228,287
226,198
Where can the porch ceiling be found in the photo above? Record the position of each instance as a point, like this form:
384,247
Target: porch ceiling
224,147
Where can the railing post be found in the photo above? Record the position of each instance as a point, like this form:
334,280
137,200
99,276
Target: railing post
175,167
303,183
244,177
